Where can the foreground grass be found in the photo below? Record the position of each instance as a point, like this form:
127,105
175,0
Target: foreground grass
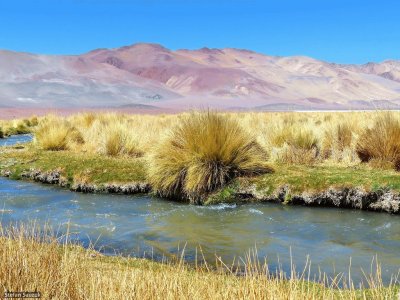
36,262
99,169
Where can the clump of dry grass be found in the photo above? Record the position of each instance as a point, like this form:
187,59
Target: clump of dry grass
55,134
119,140
337,138
33,260
381,142
297,145
114,141
337,143
203,153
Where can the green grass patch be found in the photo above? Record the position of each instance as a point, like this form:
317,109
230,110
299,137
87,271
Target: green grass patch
226,194
319,178
91,168
100,169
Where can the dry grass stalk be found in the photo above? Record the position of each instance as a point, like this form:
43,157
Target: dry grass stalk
33,260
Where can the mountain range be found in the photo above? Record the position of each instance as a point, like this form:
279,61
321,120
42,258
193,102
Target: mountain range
150,75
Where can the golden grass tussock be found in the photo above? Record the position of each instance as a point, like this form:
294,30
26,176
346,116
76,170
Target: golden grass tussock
381,141
337,142
202,153
337,138
54,134
34,259
295,145
120,140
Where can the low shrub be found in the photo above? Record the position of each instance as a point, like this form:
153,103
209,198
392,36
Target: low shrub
203,153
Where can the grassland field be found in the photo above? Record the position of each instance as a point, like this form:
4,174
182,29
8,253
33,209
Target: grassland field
191,156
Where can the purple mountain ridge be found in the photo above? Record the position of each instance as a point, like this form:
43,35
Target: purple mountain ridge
152,75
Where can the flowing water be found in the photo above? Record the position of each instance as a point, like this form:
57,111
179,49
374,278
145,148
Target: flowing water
143,225
16,139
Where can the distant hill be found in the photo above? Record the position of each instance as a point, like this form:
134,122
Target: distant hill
151,75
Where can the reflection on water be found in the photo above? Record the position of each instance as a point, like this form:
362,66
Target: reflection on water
141,224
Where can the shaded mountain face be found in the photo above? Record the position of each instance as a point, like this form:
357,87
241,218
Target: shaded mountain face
149,74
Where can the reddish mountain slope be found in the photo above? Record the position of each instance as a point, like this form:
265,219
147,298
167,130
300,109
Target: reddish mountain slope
153,75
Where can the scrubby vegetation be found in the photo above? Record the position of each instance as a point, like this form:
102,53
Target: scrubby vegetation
54,135
13,127
34,260
190,155
203,153
346,138
381,142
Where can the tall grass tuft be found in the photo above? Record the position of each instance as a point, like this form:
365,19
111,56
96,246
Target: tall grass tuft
381,142
297,145
114,141
119,140
203,153
55,134
336,140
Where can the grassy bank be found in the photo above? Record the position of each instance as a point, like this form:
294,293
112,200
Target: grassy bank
322,177
19,126
192,156
99,170
36,262
74,167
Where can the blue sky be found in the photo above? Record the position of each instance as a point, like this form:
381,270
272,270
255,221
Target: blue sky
332,30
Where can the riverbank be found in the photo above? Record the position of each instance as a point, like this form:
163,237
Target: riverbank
358,187
17,126
37,262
